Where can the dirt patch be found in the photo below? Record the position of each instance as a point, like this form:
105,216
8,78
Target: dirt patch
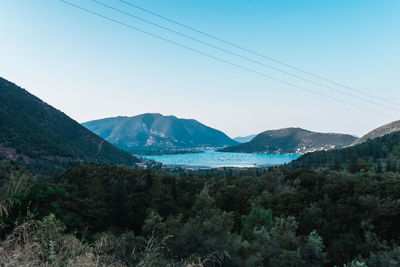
10,153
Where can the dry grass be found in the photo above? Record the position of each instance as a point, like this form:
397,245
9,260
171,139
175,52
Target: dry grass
213,259
17,184
43,244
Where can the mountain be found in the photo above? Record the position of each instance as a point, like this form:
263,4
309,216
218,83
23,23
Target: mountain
292,140
381,153
157,132
42,137
244,139
381,131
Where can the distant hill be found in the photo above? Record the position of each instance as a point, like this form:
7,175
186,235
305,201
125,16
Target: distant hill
292,140
382,153
381,131
157,132
244,139
38,135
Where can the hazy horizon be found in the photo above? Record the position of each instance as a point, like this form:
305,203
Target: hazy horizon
91,68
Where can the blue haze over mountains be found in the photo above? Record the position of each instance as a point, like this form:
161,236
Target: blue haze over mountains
244,139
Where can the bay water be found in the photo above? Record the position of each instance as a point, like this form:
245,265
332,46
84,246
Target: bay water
213,159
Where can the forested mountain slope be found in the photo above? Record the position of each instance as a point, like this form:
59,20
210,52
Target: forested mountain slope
379,153
380,131
292,140
155,131
42,137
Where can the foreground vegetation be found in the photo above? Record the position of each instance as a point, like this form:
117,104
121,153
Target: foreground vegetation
102,215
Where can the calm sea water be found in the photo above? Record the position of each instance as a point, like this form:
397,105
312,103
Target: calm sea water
213,159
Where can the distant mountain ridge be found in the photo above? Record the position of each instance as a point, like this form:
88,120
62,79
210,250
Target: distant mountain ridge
154,131
377,150
292,140
244,139
44,138
377,154
379,132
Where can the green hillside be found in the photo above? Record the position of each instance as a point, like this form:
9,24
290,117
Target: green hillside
42,137
153,131
292,140
382,153
380,131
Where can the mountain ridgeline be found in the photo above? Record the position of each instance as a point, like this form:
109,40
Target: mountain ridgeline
372,153
244,139
45,139
292,140
380,131
157,132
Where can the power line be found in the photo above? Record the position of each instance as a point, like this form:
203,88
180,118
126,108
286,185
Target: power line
220,59
240,56
259,54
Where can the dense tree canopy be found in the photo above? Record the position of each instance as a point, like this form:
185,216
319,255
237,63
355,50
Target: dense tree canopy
279,217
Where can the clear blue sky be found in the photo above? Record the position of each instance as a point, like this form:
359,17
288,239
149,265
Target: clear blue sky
91,68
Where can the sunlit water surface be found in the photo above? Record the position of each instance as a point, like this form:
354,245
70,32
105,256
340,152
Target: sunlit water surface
214,159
